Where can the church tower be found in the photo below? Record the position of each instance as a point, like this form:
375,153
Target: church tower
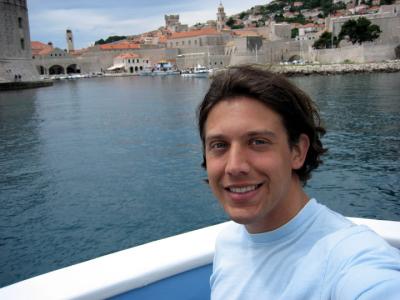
70,41
221,17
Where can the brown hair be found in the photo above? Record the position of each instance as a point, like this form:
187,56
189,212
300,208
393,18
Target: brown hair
298,112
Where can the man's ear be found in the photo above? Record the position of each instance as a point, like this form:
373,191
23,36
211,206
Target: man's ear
299,151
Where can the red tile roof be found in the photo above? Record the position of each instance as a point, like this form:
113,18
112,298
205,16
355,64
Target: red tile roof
245,33
128,55
162,39
193,33
39,48
120,45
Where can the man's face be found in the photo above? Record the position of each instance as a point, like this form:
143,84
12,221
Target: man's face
250,163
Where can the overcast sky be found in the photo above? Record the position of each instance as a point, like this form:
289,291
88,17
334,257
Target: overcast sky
91,20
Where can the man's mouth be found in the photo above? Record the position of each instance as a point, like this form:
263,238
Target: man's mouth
243,189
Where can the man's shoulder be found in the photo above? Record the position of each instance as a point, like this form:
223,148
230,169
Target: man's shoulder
358,241
362,263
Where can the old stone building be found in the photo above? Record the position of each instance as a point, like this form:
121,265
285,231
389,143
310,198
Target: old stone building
172,24
53,61
15,44
130,63
200,47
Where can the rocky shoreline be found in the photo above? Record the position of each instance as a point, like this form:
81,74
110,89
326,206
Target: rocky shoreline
331,69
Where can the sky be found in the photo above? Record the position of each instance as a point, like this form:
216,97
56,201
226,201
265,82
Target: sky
91,20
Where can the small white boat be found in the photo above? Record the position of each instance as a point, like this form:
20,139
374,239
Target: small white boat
198,71
177,267
161,69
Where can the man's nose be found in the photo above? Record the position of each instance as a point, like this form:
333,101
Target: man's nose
237,163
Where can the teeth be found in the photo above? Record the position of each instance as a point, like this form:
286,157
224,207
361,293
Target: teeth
244,189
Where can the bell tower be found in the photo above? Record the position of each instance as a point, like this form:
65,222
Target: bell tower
221,17
70,41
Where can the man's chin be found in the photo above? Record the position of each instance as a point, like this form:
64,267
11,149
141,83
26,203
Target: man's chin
241,219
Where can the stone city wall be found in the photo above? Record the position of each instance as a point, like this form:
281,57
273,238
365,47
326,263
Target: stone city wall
332,69
389,24
367,52
95,61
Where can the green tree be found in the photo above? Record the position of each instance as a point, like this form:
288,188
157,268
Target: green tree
279,18
295,32
359,31
387,2
327,6
242,15
325,41
110,39
240,26
230,22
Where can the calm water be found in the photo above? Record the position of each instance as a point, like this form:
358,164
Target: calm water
94,166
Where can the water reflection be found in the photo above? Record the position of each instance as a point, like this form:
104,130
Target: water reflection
94,166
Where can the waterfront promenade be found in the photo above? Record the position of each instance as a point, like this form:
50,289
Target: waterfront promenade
329,69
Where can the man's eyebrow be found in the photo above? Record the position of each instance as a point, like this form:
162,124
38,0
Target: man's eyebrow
214,137
261,132
252,133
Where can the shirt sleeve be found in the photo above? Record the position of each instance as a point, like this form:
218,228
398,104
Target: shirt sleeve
364,283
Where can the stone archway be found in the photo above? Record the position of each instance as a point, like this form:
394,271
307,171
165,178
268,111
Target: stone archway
73,69
56,70
294,57
41,70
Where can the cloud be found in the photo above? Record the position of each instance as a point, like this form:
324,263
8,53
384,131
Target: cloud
88,25
193,17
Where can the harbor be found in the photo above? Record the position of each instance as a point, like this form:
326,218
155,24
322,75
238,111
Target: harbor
102,179
97,165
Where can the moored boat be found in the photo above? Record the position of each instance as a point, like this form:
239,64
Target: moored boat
199,71
161,69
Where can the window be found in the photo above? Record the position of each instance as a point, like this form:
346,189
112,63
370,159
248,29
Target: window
176,43
189,42
195,42
20,22
137,60
22,44
183,43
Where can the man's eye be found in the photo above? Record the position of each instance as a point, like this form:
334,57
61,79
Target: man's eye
259,142
218,145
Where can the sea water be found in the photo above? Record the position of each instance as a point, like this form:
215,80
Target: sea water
93,166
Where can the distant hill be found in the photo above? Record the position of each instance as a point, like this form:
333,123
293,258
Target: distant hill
110,39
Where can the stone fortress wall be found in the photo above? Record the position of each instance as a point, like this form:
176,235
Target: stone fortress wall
388,19
15,43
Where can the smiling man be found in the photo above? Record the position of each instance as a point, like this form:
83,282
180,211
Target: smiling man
261,140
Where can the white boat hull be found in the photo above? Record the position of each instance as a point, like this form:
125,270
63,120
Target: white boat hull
157,270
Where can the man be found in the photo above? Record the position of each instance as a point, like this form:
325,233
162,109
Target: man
261,140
